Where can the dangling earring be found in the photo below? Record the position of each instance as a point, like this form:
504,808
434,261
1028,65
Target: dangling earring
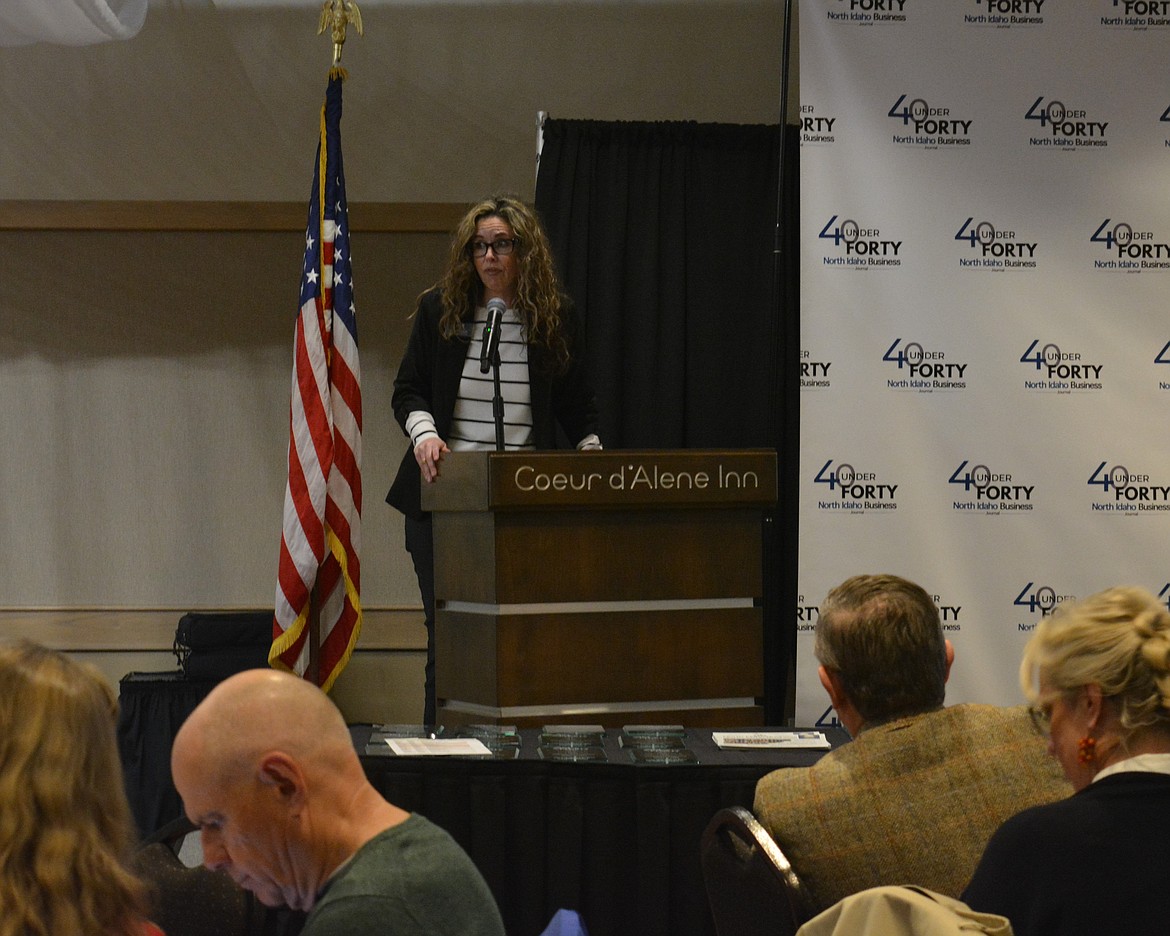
1087,750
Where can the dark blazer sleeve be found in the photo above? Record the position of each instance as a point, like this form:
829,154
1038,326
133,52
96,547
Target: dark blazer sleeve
414,385
428,379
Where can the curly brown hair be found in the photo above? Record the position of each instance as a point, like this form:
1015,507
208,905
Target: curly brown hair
66,832
540,302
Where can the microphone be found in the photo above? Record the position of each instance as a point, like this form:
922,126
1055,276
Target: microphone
491,334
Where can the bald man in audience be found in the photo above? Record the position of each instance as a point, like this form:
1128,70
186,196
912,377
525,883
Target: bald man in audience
268,773
917,793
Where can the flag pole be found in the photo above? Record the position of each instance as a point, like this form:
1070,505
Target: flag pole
336,15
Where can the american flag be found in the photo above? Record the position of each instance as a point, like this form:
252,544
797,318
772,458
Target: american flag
321,539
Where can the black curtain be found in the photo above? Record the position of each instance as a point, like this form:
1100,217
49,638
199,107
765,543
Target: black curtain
682,263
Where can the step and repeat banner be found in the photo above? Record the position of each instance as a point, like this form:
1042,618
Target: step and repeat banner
985,280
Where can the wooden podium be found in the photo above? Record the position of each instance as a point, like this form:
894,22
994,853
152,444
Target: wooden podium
602,587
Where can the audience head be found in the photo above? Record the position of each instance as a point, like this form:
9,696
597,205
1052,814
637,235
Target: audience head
1097,673
66,834
881,648
267,771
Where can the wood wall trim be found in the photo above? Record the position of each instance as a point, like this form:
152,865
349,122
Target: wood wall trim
90,630
380,217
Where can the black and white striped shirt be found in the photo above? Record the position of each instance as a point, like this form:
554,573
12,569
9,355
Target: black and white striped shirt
473,425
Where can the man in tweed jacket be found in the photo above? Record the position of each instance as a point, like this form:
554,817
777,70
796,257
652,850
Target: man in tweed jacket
916,794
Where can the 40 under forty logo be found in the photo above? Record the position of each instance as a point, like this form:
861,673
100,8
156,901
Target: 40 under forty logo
815,128
868,11
1003,12
1126,490
925,125
924,370
854,490
1135,250
1142,8
1059,370
996,249
1065,126
992,490
1039,598
863,246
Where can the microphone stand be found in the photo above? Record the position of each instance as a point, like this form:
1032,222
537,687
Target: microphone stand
497,399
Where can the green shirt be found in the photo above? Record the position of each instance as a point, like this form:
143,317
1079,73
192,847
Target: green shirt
411,880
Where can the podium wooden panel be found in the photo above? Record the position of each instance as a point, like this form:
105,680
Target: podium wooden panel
601,587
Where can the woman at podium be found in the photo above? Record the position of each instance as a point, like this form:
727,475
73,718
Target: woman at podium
494,361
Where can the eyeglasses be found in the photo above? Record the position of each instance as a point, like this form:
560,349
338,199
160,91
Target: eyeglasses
501,247
1041,714
1041,718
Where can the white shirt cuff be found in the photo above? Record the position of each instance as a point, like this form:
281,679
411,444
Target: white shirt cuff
420,425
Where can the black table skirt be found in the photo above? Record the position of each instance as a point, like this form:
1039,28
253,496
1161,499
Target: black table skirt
152,707
618,842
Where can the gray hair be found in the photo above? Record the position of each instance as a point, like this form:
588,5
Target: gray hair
881,634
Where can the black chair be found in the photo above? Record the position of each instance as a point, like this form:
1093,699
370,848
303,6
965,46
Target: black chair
751,886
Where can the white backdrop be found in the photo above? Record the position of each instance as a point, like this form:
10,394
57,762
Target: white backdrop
985,210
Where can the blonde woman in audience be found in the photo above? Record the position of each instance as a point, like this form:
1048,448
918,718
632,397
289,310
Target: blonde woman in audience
1098,676
66,834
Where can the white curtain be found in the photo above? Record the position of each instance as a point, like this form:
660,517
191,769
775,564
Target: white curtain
69,22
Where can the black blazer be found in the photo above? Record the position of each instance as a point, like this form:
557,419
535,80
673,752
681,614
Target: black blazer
432,368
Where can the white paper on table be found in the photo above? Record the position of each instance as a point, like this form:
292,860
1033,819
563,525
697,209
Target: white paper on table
808,740
449,747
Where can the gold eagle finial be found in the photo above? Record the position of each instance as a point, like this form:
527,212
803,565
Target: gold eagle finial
335,16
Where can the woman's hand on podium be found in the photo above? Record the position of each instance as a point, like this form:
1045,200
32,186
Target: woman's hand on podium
428,453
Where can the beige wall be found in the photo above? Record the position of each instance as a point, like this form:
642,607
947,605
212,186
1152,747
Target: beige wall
145,385
214,103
